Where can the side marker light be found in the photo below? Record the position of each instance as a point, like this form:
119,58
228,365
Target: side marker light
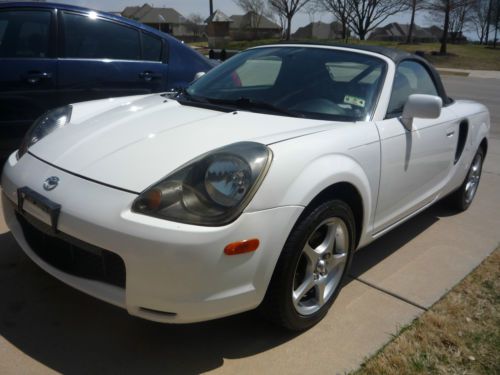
242,247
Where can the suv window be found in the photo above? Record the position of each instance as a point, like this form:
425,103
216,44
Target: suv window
24,34
411,78
3,25
90,38
151,48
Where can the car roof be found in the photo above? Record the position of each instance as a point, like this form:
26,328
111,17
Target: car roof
391,53
127,21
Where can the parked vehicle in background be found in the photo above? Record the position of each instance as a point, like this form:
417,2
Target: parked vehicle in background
54,54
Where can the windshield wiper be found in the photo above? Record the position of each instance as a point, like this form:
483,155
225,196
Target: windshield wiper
248,103
184,94
185,98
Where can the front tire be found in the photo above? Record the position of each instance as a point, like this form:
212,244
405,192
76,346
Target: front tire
312,267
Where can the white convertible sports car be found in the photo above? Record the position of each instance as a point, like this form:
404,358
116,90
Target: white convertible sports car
251,188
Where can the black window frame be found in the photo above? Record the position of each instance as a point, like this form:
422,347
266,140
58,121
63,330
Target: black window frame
53,45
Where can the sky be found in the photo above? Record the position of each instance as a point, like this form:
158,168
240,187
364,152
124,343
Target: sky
201,7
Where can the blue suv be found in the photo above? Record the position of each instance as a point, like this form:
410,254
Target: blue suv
54,54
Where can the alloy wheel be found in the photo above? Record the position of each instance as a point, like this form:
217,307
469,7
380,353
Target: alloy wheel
320,266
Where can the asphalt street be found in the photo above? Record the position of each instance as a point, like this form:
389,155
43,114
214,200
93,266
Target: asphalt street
486,91
47,327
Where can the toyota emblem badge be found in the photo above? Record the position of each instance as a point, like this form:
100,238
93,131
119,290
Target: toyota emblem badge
51,183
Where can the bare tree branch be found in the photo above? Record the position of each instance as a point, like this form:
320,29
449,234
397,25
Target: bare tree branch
365,15
287,9
340,10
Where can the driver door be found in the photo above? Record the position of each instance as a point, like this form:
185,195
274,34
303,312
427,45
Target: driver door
415,164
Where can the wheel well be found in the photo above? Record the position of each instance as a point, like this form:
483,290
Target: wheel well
484,146
345,192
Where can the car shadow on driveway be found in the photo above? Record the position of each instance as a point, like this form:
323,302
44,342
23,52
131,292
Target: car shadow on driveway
383,247
71,332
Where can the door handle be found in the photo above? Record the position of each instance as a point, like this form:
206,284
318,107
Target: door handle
149,76
450,133
36,77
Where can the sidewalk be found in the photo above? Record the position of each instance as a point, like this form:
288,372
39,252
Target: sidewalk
495,74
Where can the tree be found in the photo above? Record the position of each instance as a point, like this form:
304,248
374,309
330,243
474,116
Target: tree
496,23
365,15
445,9
257,8
287,9
479,18
459,17
195,24
339,9
414,5
488,22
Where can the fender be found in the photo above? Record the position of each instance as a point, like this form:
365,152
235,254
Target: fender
478,118
320,168
307,182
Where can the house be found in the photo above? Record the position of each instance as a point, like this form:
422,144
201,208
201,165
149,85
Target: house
163,19
320,30
453,37
396,32
253,26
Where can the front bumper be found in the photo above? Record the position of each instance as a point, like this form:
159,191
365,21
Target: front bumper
175,272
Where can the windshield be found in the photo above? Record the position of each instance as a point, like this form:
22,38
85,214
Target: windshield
316,83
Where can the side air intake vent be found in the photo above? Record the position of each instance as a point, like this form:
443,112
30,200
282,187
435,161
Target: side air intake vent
463,130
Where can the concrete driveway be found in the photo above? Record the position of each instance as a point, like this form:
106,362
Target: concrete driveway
48,327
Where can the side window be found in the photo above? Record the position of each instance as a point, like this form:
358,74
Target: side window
3,26
151,48
25,34
91,38
411,78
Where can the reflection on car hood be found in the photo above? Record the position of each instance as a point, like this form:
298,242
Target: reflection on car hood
133,142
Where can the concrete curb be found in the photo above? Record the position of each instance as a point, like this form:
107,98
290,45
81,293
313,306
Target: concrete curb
489,74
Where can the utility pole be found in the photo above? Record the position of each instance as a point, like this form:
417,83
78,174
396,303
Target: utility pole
211,7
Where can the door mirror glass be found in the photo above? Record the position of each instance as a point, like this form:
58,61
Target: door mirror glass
421,106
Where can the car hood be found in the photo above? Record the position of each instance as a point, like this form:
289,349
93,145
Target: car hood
133,142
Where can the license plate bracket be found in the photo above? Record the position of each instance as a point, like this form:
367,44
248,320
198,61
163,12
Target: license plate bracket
45,205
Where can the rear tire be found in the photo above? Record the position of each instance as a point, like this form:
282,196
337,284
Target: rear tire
462,198
312,267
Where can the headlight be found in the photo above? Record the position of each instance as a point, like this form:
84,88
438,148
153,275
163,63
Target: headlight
211,190
43,126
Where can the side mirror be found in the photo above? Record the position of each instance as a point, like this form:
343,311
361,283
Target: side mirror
421,106
198,75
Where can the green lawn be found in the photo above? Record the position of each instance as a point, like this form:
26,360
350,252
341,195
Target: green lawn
461,56
460,334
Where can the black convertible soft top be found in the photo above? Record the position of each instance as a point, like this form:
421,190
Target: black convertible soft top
394,54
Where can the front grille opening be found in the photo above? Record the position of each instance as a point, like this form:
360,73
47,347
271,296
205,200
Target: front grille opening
73,256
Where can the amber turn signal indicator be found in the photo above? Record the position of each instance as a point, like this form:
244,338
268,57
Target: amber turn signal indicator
241,247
